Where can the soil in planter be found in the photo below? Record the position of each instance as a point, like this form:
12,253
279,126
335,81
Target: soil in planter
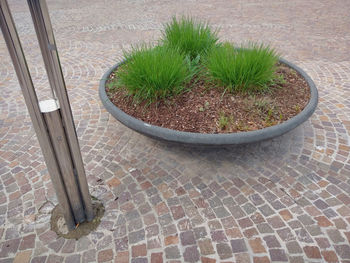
205,109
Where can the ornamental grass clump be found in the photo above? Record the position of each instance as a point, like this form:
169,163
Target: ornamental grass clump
188,50
190,37
243,70
152,73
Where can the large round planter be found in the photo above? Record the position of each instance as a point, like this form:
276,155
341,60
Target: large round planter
210,139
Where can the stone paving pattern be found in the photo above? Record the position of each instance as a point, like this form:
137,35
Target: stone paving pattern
284,200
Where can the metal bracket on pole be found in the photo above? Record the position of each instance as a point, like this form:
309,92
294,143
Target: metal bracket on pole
52,120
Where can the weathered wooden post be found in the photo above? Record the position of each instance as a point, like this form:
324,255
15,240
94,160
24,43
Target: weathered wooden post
52,119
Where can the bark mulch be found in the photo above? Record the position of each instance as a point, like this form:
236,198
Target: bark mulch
205,109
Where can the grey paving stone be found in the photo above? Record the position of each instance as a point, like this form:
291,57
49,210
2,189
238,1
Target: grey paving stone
237,212
256,199
271,241
278,255
72,259
335,235
249,208
191,254
139,260
303,236
221,212
314,230
187,238
215,202
165,219
264,228
238,245
224,250
306,220
136,236
266,210
343,251
172,252
132,215
200,232
294,247
330,213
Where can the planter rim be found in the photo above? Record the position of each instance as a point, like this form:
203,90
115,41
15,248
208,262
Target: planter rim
206,139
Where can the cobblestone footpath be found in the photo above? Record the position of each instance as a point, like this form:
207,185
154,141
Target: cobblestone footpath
284,200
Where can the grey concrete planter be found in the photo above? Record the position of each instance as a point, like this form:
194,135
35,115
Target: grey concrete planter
210,139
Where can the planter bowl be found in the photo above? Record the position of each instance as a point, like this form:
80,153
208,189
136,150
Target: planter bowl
201,139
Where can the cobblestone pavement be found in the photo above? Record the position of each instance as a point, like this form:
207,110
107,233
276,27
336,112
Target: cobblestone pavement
284,200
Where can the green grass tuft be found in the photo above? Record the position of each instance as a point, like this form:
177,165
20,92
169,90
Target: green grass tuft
154,73
189,49
191,37
246,69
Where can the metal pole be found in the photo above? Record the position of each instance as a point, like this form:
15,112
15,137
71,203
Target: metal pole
31,100
53,120
43,28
